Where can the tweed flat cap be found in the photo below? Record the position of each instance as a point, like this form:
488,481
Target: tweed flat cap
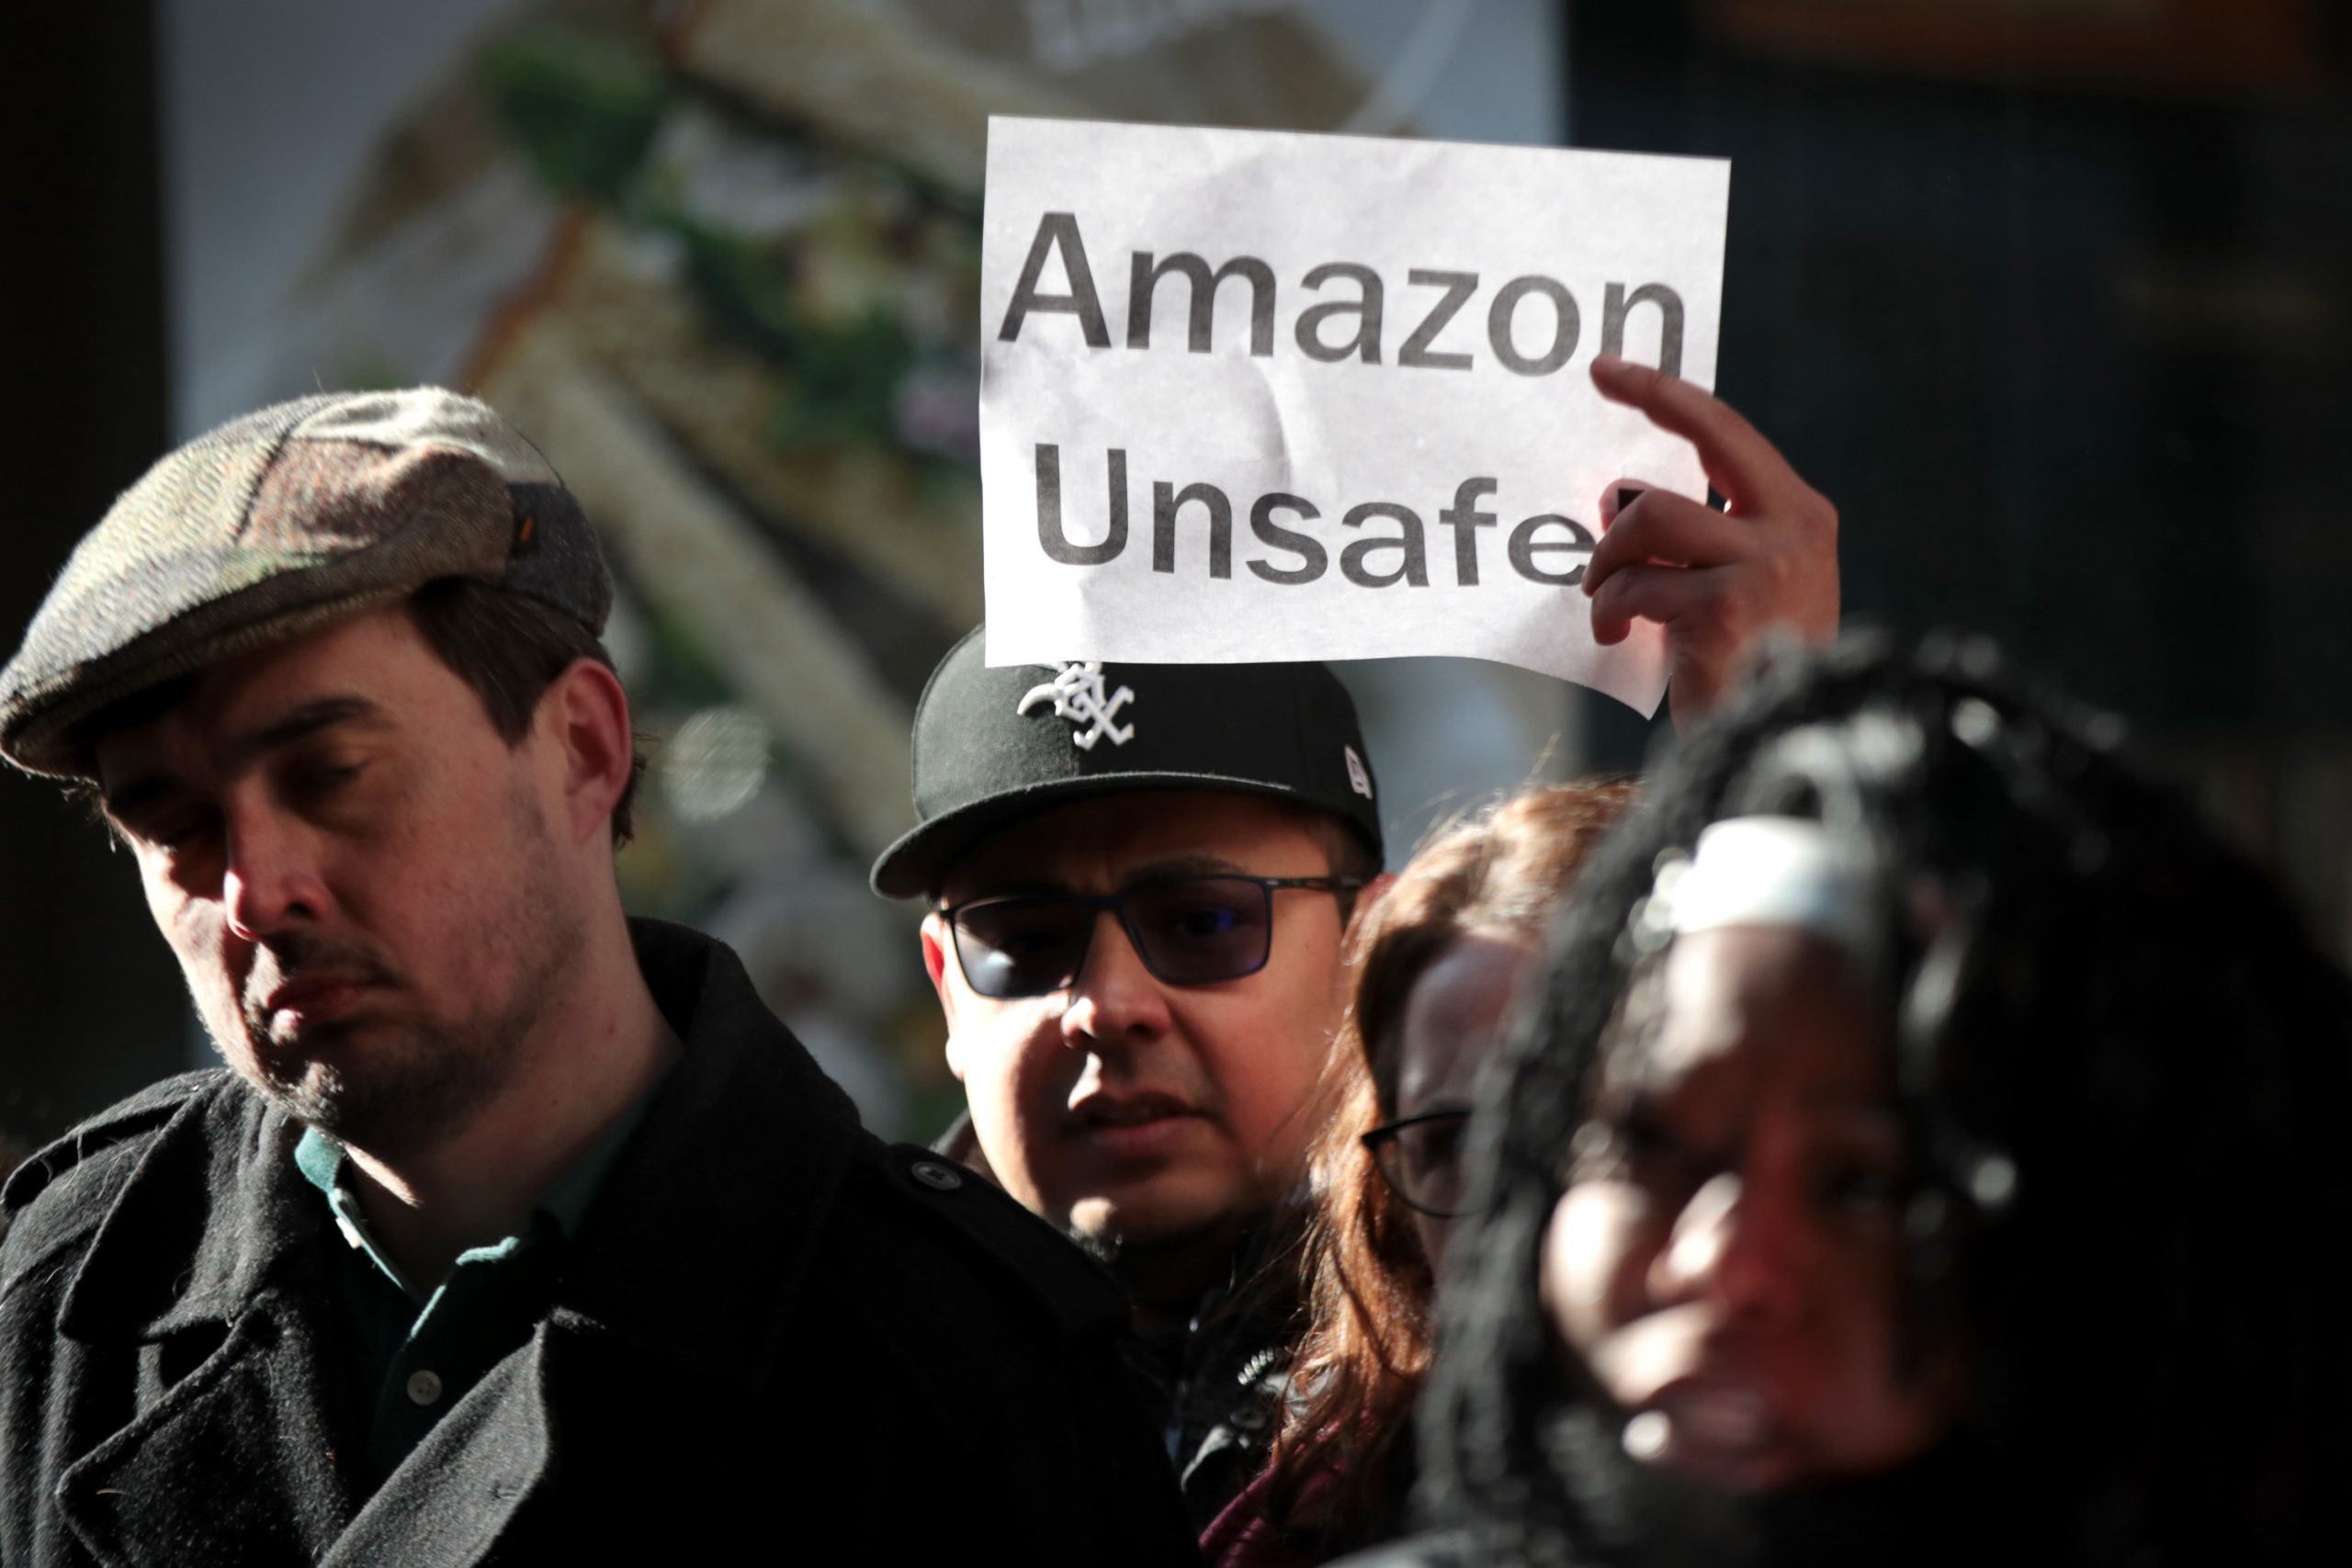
279,523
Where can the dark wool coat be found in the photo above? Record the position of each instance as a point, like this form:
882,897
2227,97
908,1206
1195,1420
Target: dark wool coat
1215,1384
774,1335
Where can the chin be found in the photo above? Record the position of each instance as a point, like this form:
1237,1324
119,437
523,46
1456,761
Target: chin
392,1103
1157,1212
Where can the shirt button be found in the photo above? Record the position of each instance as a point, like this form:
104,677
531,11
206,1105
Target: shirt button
937,1176
424,1388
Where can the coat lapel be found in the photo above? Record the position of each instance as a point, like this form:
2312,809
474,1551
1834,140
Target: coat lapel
234,1465
202,1243
452,1499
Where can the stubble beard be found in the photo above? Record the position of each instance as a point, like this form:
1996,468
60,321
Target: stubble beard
1165,1265
1172,1268
404,1090
395,1109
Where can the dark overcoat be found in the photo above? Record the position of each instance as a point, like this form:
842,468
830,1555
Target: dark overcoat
775,1338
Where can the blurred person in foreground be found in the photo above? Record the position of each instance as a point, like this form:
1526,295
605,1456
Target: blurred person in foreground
1923,1148
1434,966
1140,879
516,1229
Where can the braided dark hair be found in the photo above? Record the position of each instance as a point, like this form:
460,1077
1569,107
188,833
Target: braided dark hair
2122,1062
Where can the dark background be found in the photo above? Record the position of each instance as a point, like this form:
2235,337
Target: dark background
2072,361
2058,315
95,1007
2060,320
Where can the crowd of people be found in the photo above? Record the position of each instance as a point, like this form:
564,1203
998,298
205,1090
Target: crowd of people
1895,1131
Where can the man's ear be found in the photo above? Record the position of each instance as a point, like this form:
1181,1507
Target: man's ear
589,713
935,960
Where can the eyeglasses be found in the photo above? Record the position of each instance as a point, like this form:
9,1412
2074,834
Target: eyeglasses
1189,930
1420,1159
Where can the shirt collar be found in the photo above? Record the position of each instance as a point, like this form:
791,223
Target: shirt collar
325,1162
719,1205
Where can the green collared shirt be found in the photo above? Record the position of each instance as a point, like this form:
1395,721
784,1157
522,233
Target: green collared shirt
413,1353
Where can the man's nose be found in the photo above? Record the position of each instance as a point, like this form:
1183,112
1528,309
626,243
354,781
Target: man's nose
271,880
1113,1000
1728,1245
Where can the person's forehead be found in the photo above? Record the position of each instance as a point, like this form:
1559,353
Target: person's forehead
1097,842
1452,1015
1773,1006
377,657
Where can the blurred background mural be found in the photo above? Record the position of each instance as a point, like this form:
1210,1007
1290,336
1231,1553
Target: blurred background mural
2053,297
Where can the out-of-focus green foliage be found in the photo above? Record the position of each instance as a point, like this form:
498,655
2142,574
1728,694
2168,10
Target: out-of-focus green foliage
581,108
844,378
584,109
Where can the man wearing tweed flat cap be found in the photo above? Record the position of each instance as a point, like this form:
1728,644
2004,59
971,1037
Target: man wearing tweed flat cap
512,1223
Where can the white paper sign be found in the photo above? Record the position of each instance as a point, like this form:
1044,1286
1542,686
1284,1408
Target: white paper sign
1251,395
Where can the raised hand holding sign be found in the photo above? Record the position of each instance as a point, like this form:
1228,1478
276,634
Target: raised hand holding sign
1714,580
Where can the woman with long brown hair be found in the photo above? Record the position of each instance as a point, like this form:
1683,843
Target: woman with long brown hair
1436,963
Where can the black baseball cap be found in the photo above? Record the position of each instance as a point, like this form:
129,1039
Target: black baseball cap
994,746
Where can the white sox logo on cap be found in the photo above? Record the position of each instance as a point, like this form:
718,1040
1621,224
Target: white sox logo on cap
1078,694
987,747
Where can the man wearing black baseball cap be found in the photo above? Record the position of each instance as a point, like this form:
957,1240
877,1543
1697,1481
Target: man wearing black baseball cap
516,1230
1140,877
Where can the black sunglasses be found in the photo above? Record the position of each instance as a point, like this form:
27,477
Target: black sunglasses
1420,1159
1189,930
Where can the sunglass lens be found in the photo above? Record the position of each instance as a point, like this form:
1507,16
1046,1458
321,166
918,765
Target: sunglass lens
1022,947
1202,929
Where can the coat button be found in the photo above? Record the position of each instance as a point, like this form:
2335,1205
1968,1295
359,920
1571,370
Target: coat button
935,1176
424,1388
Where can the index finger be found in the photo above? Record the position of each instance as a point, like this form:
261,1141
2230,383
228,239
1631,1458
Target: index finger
1739,462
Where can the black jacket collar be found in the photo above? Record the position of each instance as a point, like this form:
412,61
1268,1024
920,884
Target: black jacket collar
212,1213
696,1255
693,1254
689,1250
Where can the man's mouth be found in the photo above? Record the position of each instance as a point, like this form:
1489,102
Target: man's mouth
1146,1126
310,999
1102,1110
